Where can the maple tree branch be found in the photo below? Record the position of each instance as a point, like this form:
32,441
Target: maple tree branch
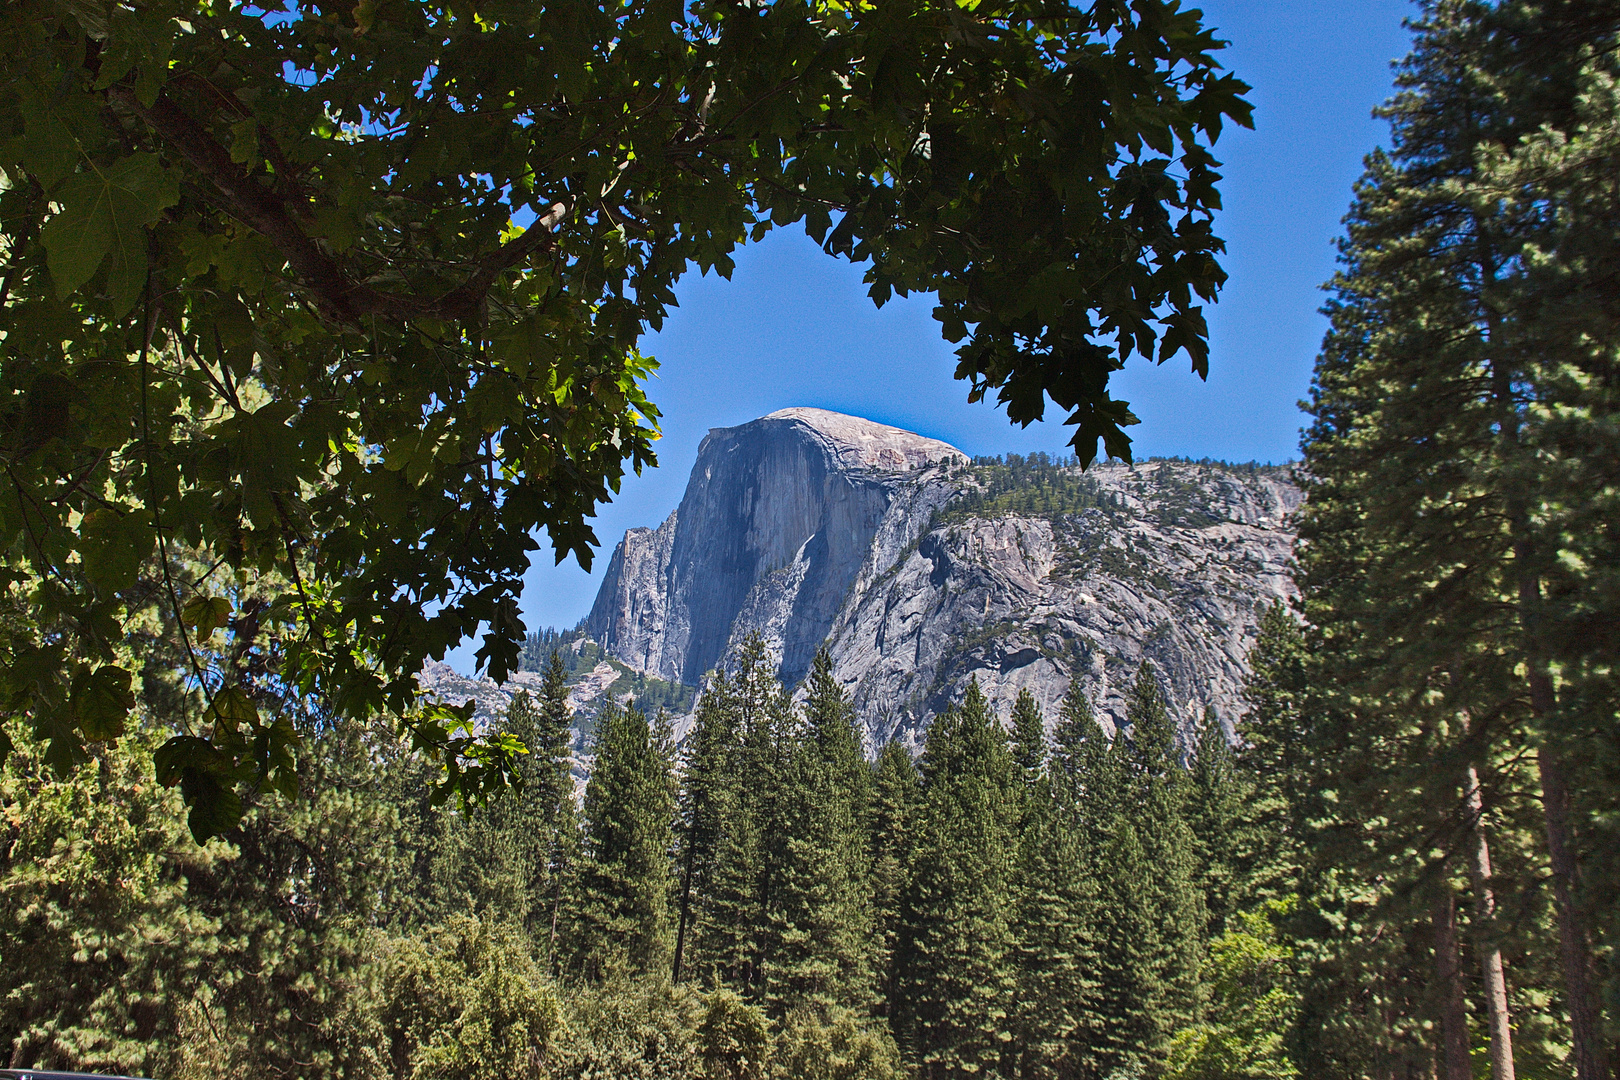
260,209
338,295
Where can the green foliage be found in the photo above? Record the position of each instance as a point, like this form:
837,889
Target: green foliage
891,831
347,304
511,855
631,1029
811,1045
128,948
705,802
620,911
734,1038
738,930
822,896
1151,751
955,953
1037,485
102,943
1449,679
1253,1003
1055,915
288,393
1551,184
1152,924
1216,794
1087,764
964,910
467,1004
1028,736
1273,761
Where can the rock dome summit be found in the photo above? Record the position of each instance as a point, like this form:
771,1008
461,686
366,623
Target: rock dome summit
921,570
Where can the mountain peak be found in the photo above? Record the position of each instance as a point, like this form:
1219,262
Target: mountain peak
812,529
858,443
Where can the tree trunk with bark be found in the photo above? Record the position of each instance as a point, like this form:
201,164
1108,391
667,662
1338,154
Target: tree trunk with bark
1490,952
1454,1060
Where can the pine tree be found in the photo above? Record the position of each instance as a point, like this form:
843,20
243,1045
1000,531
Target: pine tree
891,829
1435,534
1028,736
507,858
1153,922
551,776
1055,900
1215,799
956,964
620,917
1091,765
1556,185
1151,750
706,800
822,900
1272,763
738,931
130,949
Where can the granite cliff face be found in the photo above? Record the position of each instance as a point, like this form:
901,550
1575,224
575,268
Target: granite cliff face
1175,565
778,520
810,527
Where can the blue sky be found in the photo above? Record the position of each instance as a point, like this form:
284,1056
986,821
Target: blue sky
795,327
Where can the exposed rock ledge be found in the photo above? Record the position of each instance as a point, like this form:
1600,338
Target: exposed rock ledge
810,527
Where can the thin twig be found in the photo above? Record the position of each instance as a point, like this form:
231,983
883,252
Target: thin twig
148,327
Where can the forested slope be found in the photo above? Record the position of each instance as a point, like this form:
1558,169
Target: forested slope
763,902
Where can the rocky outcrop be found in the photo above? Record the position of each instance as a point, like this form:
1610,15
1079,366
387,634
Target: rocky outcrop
809,528
780,518
1174,565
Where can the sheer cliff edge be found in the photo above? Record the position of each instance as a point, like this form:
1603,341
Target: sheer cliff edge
921,570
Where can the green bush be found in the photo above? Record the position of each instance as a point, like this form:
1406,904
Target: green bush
834,1045
626,1028
734,1038
1252,1006
466,1004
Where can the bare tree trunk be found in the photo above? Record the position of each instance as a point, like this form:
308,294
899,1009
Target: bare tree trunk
556,906
1454,1060
686,905
1490,953
1588,1052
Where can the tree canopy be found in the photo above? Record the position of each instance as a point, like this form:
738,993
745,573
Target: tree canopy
341,303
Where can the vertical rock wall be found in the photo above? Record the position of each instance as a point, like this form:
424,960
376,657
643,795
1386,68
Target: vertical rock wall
809,527
778,519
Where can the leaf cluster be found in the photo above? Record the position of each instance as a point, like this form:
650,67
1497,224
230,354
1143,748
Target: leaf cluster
346,300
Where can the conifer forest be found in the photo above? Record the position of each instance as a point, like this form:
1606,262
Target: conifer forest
286,397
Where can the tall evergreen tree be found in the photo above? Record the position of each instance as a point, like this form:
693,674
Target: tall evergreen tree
739,931
1151,748
506,858
1557,186
705,802
550,774
1153,922
130,949
1091,764
956,951
1054,914
822,900
892,822
620,901
1215,798
1028,736
1271,763
1437,560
